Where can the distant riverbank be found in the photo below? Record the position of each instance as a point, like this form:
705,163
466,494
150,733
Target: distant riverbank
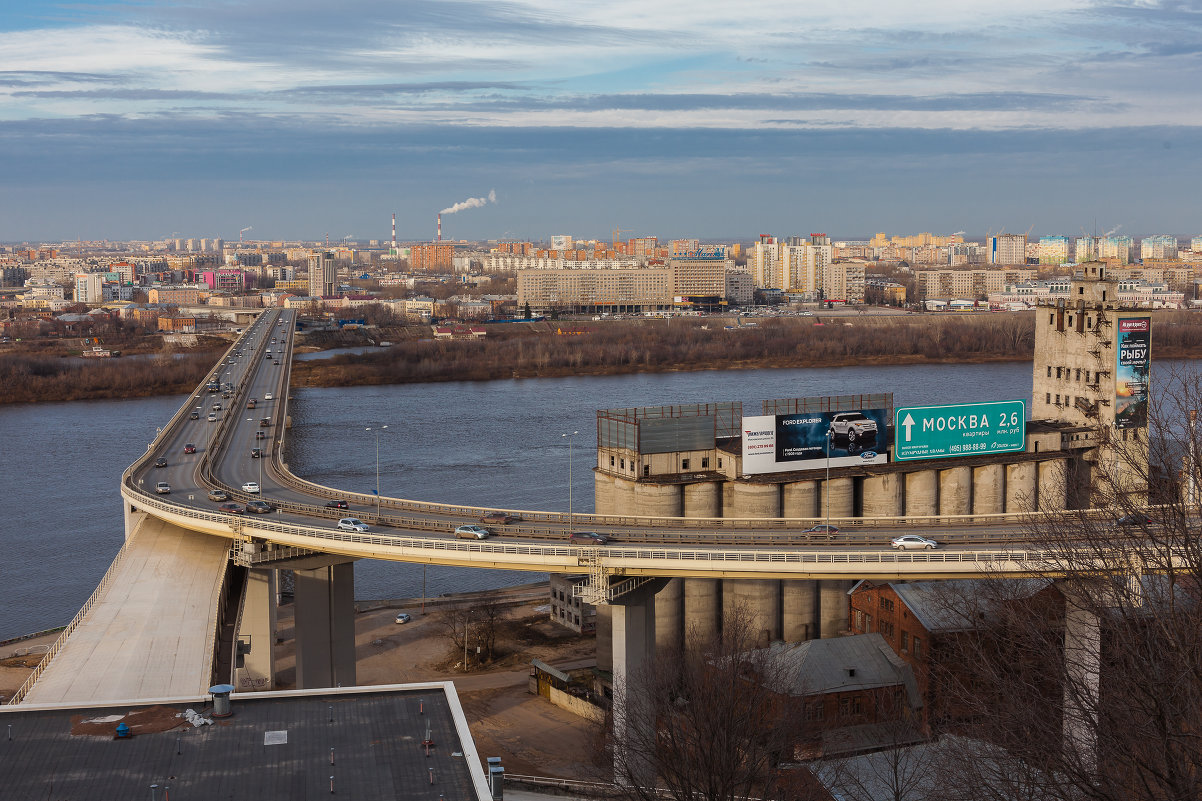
588,348
558,349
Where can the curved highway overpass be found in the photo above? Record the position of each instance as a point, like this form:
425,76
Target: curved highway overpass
415,531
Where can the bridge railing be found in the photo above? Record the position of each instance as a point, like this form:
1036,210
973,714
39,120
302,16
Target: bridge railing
669,557
105,580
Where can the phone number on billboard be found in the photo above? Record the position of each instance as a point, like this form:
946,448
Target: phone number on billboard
968,447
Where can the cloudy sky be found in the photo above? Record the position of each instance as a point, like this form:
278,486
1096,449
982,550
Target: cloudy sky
300,118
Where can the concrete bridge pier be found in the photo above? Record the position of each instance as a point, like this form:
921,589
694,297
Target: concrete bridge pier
325,626
632,619
254,667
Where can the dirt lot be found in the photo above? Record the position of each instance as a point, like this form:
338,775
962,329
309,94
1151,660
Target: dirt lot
529,734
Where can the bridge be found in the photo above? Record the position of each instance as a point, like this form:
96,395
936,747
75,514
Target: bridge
191,594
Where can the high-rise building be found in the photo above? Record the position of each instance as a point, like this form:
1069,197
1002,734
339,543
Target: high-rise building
1158,247
1089,248
1195,244
795,266
89,287
1054,250
1116,247
323,275
432,257
1007,248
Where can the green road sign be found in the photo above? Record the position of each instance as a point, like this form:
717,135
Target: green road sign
966,429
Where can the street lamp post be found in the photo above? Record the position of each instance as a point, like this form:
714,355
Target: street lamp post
826,488
381,428
568,437
467,626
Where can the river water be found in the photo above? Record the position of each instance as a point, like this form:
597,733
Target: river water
487,443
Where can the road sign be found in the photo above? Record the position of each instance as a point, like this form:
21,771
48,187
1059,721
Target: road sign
966,429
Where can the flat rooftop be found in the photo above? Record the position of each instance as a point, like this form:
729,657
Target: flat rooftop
275,746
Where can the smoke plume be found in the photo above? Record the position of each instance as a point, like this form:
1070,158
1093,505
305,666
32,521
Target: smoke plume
472,203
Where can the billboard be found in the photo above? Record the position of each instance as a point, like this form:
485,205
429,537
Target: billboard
1131,377
778,443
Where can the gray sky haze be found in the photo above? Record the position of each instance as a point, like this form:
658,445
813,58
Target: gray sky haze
140,119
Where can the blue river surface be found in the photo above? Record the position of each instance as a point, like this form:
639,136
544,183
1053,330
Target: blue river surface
487,443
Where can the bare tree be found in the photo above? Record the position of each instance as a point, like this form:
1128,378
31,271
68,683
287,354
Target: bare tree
469,629
1099,695
706,724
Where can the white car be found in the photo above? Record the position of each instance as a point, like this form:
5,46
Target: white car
908,542
403,617
352,524
162,488
268,396
852,426
472,532
252,487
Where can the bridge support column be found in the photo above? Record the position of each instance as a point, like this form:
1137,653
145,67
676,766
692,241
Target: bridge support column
255,641
633,621
325,626
1082,671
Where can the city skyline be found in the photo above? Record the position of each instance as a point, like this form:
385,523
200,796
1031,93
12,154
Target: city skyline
134,122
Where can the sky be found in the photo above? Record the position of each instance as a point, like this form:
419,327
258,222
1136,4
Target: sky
719,120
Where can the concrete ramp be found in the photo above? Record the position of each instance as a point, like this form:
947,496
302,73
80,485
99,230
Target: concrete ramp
150,633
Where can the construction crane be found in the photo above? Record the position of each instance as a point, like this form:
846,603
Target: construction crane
243,231
618,235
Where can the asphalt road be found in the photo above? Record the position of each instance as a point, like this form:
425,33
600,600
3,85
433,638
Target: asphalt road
234,466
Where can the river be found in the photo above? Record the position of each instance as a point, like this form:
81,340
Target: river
489,443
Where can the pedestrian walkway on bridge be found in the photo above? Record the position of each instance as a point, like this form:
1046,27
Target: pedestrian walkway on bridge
150,633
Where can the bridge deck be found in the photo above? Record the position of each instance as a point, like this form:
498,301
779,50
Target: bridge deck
151,633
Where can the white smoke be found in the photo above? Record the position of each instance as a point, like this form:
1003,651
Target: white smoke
472,203
1113,231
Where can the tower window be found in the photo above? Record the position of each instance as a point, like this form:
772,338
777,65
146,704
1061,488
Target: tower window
684,464
1049,371
1048,399
1058,371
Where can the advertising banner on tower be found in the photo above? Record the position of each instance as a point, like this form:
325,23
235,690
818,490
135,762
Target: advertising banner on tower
1131,377
783,442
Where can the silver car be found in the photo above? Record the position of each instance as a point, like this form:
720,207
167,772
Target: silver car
908,542
352,524
472,532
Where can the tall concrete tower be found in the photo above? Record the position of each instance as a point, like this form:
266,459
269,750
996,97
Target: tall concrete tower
1091,370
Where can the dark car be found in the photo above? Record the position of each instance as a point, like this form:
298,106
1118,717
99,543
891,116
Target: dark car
231,509
260,435
189,448
256,453
194,416
265,422
587,538
160,462
822,529
259,507
500,519
337,505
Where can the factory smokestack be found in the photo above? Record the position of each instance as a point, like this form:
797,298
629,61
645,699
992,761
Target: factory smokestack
394,233
440,227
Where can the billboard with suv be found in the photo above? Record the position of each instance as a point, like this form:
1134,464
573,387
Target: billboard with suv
783,442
